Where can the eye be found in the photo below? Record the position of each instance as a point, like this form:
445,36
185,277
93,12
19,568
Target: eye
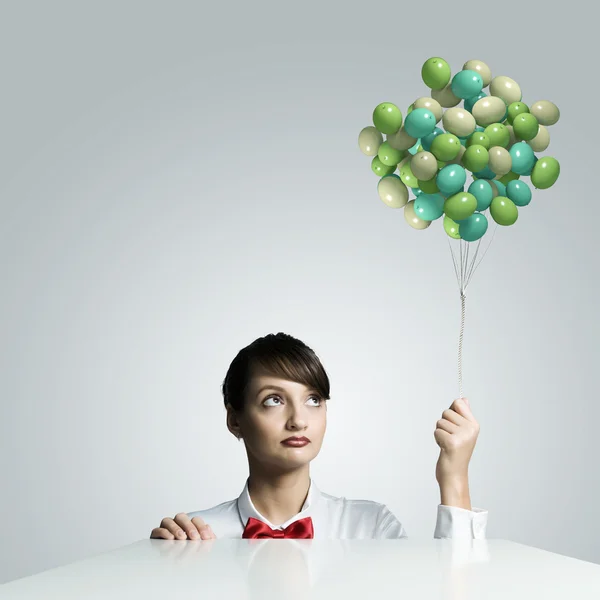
278,399
271,398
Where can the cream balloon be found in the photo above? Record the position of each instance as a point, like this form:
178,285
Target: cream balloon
513,137
506,88
401,140
500,161
369,140
459,121
430,104
481,68
488,110
424,166
392,191
541,141
458,159
412,219
445,97
495,191
545,112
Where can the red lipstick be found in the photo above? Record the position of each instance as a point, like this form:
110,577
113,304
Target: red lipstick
296,442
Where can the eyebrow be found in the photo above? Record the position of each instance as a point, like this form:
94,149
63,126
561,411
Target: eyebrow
276,387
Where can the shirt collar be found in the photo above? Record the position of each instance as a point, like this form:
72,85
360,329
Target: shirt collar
247,509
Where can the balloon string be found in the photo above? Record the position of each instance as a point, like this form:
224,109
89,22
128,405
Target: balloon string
463,298
464,271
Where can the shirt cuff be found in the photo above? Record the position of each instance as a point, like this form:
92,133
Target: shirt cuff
454,522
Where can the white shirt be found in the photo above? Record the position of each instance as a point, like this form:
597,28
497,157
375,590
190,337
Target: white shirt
342,518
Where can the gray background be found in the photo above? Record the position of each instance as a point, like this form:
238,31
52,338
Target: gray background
181,178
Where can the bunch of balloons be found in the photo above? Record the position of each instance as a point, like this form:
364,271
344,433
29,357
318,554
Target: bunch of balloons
494,136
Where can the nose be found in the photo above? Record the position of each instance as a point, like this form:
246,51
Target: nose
297,419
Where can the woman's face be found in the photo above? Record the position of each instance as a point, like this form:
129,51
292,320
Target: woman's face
275,410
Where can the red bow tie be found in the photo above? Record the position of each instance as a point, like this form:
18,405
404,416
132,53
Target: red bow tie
301,529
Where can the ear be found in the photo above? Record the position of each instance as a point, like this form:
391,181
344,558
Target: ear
232,421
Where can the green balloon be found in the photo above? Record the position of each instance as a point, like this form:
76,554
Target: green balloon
390,156
479,138
436,73
515,109
545,172
407,176
387,118
475,158
460,206
451,228
380,169
410,108
445,147
429,187
510,176
526,126
498,135
504,211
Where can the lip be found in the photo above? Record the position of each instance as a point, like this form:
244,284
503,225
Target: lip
296,442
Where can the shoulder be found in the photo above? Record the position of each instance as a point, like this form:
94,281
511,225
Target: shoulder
365,516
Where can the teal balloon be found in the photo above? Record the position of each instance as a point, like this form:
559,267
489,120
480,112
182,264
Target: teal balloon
419,123
427,140
523,158
415,148
451,179
486,173
473,228
519,192
501,187
529,171
482,190
429,207
466,84
470,102
417,191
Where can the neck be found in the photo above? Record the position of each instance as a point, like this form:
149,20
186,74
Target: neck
279,497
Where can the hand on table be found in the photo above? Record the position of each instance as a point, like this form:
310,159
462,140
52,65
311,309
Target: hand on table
183,528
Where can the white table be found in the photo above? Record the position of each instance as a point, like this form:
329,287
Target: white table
291,569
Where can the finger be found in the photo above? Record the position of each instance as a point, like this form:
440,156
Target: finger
190,529
464,409
204,530
453,416
160,533
447,425
174,528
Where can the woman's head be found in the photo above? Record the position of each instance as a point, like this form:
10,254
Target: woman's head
277,388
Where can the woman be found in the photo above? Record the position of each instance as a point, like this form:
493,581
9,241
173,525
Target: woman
275,393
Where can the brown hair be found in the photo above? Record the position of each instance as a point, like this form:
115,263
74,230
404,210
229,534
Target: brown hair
280,355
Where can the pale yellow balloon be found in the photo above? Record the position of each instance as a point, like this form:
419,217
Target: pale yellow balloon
545,112
412,219
393,192
458,159
369,140
424,165
401,140
495,191
513,137
445,97
500,161
479,67
506,88
459,121
488,110
541,141
430,104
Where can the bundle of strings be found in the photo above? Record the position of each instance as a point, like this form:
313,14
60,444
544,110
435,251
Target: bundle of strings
465,267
